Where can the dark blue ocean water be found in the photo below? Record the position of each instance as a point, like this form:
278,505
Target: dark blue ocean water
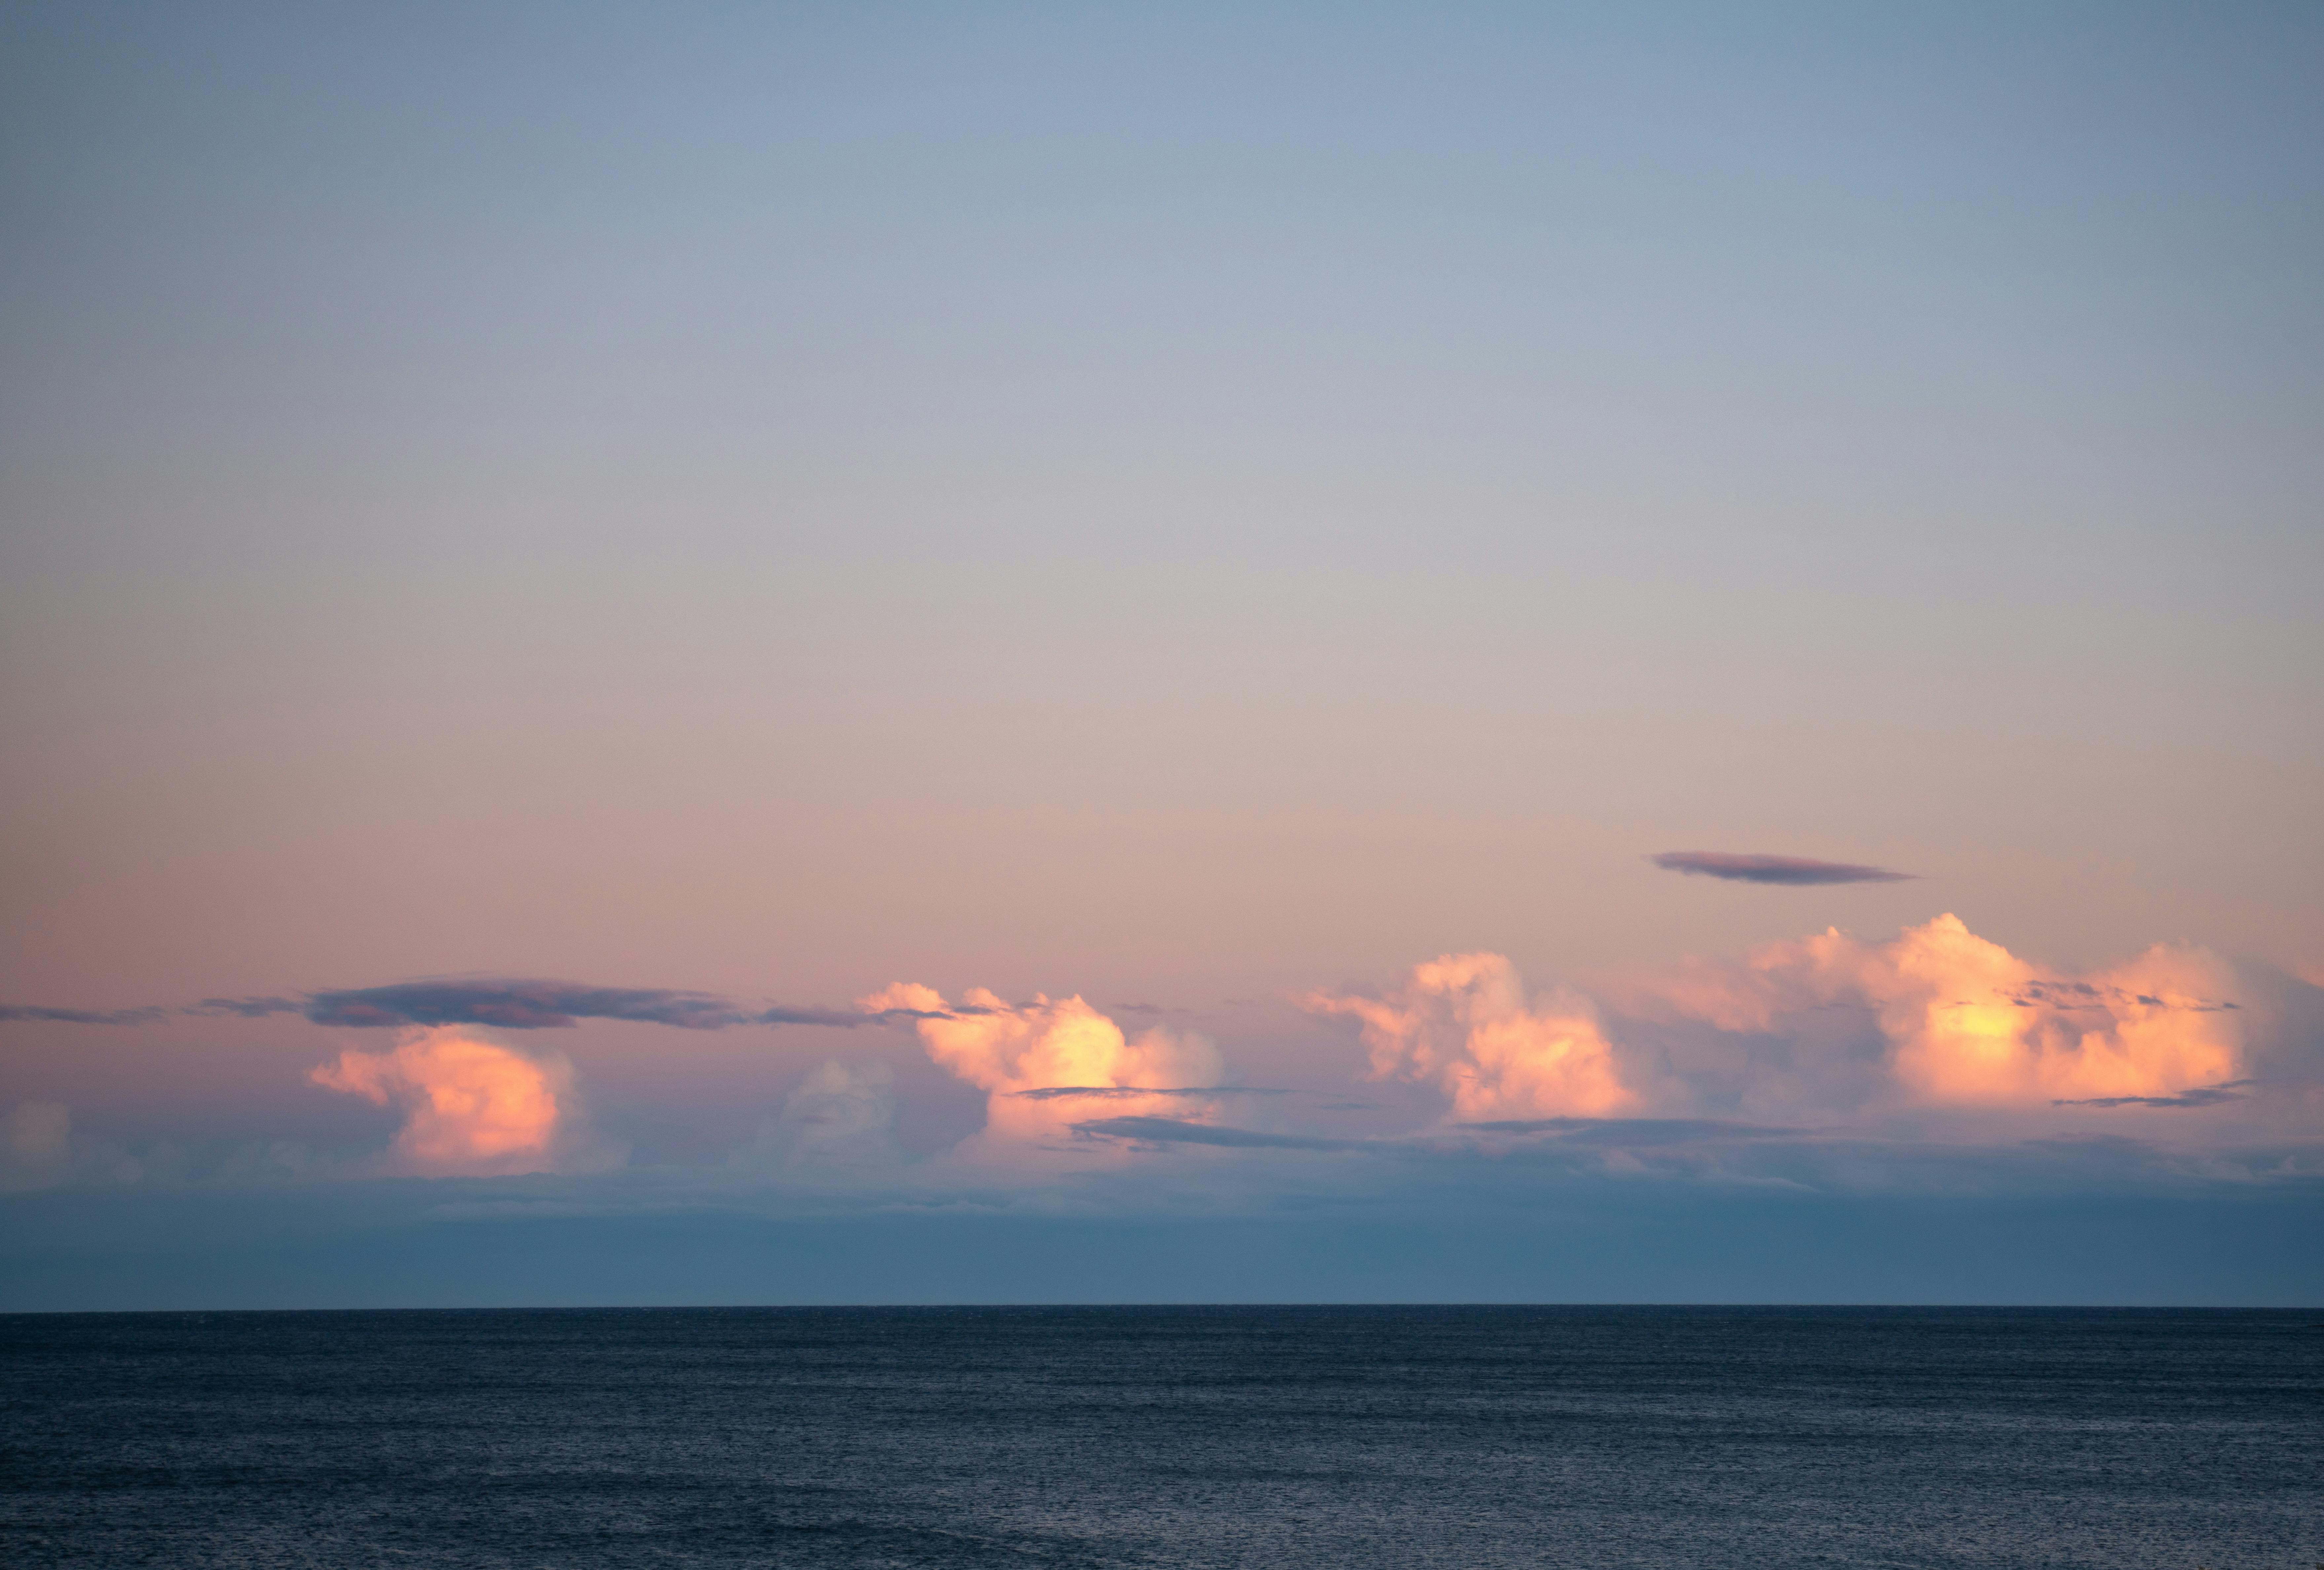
1165,1437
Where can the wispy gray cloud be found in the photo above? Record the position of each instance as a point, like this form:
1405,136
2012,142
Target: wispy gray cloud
1116,1092
533,1005
244,1008
2069,996
1174,1131
838,1019
1634,1133
1791,871
2201,1095
519,1005
510,1003
29,1013
1637,1131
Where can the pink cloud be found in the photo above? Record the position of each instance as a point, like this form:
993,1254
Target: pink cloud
1012,1050
470,1106
1462,1021
1968,1023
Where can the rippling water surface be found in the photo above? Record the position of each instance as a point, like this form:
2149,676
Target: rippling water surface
1165,1437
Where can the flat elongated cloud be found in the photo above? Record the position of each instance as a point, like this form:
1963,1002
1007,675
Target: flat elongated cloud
2201,1095
1636,1130
516,1005
1790,870
470,1107
27,1011
1180,1132
507,1003
1121,1092
244,1008
1462,1021
520,1005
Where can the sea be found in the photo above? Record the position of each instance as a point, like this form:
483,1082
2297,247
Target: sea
1165,1437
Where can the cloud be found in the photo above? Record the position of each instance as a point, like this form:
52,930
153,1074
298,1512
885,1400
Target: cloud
2201,1095
520,1005
514,1004
27,1011
1968,1023
1789,870
1181,1132
1637,1131
840,1019
842,1118
1462,1022
1010,1049
470,1106
1117,1092
40,1148
507,1003
244,1008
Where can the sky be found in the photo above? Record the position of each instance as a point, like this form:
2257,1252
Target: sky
1078,652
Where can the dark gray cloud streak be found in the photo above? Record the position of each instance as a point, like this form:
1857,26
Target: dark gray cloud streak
1794,872
2066,996
520,1005
244,1008
29,1013
507,1002
2201,1095
1115,1092
1639,1133
537,1005
1173,1131
1636,1130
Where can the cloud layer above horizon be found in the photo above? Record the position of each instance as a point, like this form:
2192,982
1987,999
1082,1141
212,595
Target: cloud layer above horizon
1827,1059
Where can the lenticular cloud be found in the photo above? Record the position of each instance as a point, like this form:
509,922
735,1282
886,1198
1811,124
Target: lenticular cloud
1794,871
470,1107
1462,1021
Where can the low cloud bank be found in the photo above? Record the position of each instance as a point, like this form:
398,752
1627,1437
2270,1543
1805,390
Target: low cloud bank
841,1120
41,1149
1933,1039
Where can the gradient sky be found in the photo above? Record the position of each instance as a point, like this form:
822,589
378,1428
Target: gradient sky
1200,510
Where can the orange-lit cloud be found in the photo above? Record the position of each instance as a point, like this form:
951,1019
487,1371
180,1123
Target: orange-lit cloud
1011,1050
470,1106
1969,1023
1462,1022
